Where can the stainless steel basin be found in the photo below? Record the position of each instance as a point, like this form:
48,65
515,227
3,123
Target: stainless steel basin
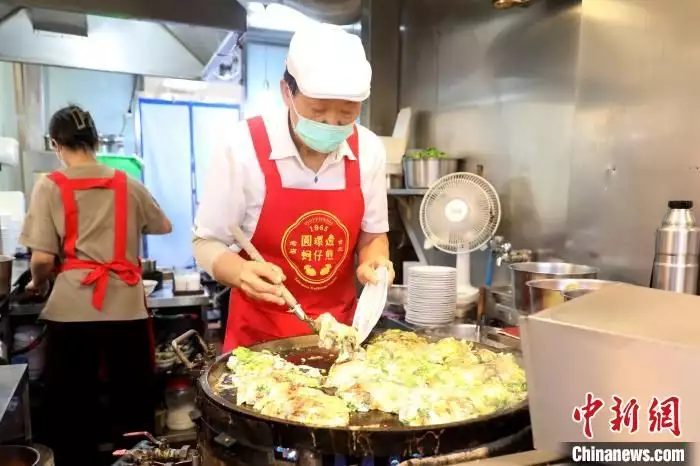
552,292
524,272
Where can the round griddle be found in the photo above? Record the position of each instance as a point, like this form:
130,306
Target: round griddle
374,433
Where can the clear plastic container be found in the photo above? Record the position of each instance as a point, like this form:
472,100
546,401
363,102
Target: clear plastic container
24,336
187,280
179,398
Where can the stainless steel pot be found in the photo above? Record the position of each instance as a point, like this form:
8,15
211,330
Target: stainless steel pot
573,294
111,144
521,273
551,292
148,265
17,455
48,146
422,173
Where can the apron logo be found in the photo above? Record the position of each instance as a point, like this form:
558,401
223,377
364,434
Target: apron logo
315,246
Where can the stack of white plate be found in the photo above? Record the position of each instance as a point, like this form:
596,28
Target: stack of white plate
432,295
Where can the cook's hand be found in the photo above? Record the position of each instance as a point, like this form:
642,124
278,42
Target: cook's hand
366,272
35,290
262,282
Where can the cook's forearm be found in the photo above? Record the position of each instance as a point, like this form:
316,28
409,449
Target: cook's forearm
370,246
41,272
227,269
217,259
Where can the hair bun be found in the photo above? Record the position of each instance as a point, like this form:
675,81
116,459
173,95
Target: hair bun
73,127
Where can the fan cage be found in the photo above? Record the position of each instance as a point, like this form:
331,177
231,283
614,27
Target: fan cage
482,220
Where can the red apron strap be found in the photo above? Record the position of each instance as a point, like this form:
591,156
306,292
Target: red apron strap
121,200
352,167
263,150
70,212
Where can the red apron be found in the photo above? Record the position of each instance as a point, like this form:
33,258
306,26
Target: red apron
311,235
98,276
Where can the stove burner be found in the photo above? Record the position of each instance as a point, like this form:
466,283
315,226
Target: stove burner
293,456
232,453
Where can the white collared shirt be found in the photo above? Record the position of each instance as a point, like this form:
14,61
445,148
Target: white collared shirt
235,186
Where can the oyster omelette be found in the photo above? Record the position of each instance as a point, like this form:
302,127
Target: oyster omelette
422,382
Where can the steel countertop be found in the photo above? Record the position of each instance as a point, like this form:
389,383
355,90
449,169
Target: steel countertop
165,298
162,298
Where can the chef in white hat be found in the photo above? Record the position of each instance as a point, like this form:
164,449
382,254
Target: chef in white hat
307,185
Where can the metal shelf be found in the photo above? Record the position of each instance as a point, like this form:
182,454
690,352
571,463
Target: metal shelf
407,191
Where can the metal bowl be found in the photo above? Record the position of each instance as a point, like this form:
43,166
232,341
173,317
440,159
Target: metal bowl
17,455
422,173
551,292
573,294
523,272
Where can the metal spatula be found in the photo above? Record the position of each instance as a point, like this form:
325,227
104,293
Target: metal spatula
291,301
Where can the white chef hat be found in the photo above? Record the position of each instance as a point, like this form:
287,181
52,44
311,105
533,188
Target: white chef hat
329,63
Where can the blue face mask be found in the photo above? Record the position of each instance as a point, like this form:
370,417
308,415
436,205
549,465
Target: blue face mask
321,137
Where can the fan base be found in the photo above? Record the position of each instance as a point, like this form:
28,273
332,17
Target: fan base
467,295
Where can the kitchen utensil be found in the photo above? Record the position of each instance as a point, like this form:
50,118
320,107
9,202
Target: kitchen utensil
111,144
432,295
294,306
573,294
423,173
149,271
677,248
148,265
373,433
459,214
523,272
18,455
481,313
149,286
371,305
550,292
48,145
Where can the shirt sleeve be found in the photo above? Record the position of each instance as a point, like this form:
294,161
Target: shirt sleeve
151,215
376,219
39,230
223,199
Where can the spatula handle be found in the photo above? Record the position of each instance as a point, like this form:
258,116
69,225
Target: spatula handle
252,251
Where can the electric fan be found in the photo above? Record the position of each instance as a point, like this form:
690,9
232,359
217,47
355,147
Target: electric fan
459,214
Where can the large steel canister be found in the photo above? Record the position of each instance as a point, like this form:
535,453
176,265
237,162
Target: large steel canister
677,249
521,273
